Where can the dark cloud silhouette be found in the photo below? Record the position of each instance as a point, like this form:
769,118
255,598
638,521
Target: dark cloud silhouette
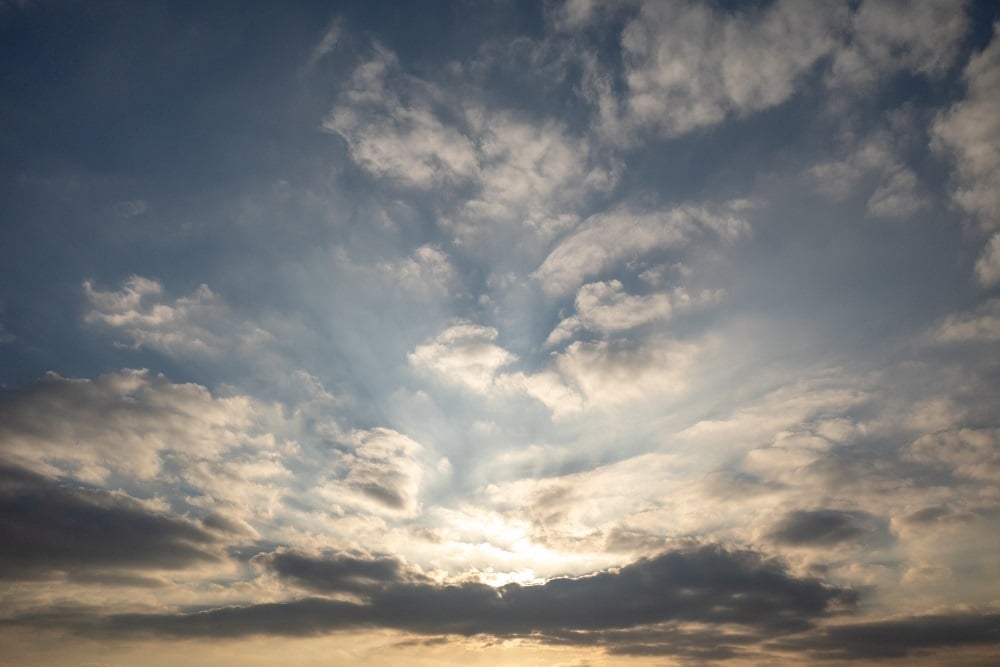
824,528
335,571
899,638
707,585
700,644
47,528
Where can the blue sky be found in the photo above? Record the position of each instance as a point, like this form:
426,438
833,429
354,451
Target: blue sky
547,333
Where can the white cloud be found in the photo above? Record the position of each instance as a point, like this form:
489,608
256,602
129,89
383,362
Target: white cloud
967,452
898,197
968,132
465,355
428,270
980,326
496,175
606,307
604,240
380,471
891,35
899,194
533,177
988,264
688,65
838,178
393,132
128,421
605,374
584,375
501,168
197,324
327,43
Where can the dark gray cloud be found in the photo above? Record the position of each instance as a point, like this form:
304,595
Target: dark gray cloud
707,585
824,528
897,638
46,528
335,571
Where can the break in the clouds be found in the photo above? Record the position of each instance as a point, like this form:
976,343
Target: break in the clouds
564,332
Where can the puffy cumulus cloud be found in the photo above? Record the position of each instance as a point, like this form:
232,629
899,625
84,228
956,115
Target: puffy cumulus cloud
898,197
605,307
885,37
535,177
50,528
391,129
981,325
428,270
496,167
605,374
599,374
380,470
988,264
967,132
129,421
690,65
605,240
967,452
838,178
875,156
197,324
465,355
707,585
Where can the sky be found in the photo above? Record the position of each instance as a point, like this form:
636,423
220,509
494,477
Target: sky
496,332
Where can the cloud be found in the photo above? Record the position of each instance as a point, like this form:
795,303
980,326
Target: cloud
486,168
428,270
705,585
380,470
688,65
968,452
823,528
988,264
899,637
333,572
596,374
392,131
967,132
48,528
606,308
889,36
898,196
979,326
129,421
326,44
198,324
604,374
603,241
464,354
535,178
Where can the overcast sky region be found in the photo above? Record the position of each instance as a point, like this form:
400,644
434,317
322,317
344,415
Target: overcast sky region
556,333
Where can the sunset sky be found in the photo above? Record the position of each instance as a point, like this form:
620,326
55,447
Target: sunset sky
496,332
